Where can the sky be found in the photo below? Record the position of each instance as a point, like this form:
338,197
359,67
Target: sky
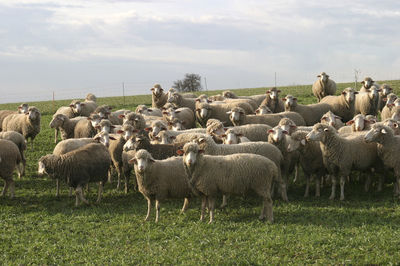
75,47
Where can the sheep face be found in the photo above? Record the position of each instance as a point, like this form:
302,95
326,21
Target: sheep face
129,145
103,138
374,92
127,132
386,90
377,133
176,125
76,106
142,109
57,121
105,125
391,99
277,133
94,120
287,124
23,108
290,101
393,124
33,113
164,138
41,169
263,110
296,143
358,121
318,132
173,98
44,165
273,93
349,95
397,102
156,128
367,82
323,77
157,90
330,119
218,132
231,137
235,115
203,111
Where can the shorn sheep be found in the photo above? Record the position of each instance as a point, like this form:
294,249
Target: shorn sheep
388,149
324,86
342,155
273,102
27,124
342,105
89,163
211,176
10,158
160,179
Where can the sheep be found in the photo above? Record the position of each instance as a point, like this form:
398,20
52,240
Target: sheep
65,125
238,118
342,155
358,123
205,111
156,127
263,110
388,149
183,114
383,94
396,113
272,101
10,158
215,129
256,98
216,98
367,102
64,110
253,132
160,179
27,124
238,174
158,97
144,110
367,84
261,148
310,159
175,124
136,120
232,136
89,163
342,105
84,128
106,125
179,101
104,111
22,109
90,97
333,120
393,124
311,113
83,108
203,98
387,110
170,136
324,86
18,140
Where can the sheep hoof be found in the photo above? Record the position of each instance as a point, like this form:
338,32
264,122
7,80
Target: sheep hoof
332,197
341,198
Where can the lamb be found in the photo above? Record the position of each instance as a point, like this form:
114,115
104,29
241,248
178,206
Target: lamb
388,149
261,148
310,159
238,118
273,102
333,120
183,114
90,97
311,113
205,111
27,124
367,102
383,94
22,109
18,140
342,105
144,110
387,110
10,158
256,98
83,108
263,110
323,86
179,101
160,179
158,97
393,124
65,125
238,174
342,155
89,163
358,123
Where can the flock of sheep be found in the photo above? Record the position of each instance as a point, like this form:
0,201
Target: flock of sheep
246,144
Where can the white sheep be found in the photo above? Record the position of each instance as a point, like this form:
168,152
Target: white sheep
22,109
158,97
183,114
342,105
367,102
205,111
393,124
358,123
65,125
263,110
18,140
273,102
324,86
84,108
10,158
389,107
333,120
144,110
383,95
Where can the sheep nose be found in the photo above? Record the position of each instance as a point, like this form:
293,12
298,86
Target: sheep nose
358,128
141,168
230,142
190,162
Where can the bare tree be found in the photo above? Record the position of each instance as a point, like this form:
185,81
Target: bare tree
191,82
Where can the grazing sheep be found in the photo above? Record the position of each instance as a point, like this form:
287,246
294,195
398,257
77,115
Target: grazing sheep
179,101
256,98
263,110
333,120
205,111
393,124
184,114
144,110
83,108
238,117
210,176
342,105
342,155
310,159
18,140
383,95
387,110
323,86
367,102
261,148
358,123
65,125
311,113
160,179
388,149
272,101
10,158
89,163
27,124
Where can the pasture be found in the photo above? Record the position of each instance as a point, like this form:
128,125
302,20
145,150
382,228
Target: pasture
38,228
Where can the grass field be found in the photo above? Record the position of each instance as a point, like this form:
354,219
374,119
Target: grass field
38,228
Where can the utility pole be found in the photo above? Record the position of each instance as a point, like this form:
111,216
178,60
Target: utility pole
54,104
205,82
123,91
275,79
357,72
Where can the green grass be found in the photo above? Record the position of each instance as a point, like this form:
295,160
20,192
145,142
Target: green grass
38,228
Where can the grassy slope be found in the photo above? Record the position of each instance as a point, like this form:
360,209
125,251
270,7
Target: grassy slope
39,228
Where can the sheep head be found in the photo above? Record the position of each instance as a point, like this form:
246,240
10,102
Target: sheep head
367,82
277,134
263,110
330,118
378,133
142,160
319,132
323,77
236,115
273,93
157,90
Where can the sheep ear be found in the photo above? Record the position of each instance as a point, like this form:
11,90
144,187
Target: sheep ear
121,116
326,129
180,152
294,99
177,112
83,104
135,131
229,112
147,129
132,161
343,92
165,113
149,110
112,126
89,118
151,160
240,135
111,137
152,89
120,132
197,100
71,105
172,137
356,92
284,99
201,151
270,131
257,111
293,126
136,119
285,132
209,101
201,140
350,122
363,82
223,135
241,112
183,122
395,125
318,76
338,117
268,91
303,142
324,118
383,131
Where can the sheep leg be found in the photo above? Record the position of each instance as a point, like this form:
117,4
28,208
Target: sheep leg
267,209
296,173
70,192
101,187
3,193
203,207
211,206
307,186
12,189
55,135
224,201
126,178
58,187
157,210
185,205
148,209
317,186
80,193
342,183
23,163
367,183
87,188
119,182
333,187
380,183
76,198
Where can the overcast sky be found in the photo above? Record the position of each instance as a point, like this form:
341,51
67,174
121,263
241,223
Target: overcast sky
74,47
